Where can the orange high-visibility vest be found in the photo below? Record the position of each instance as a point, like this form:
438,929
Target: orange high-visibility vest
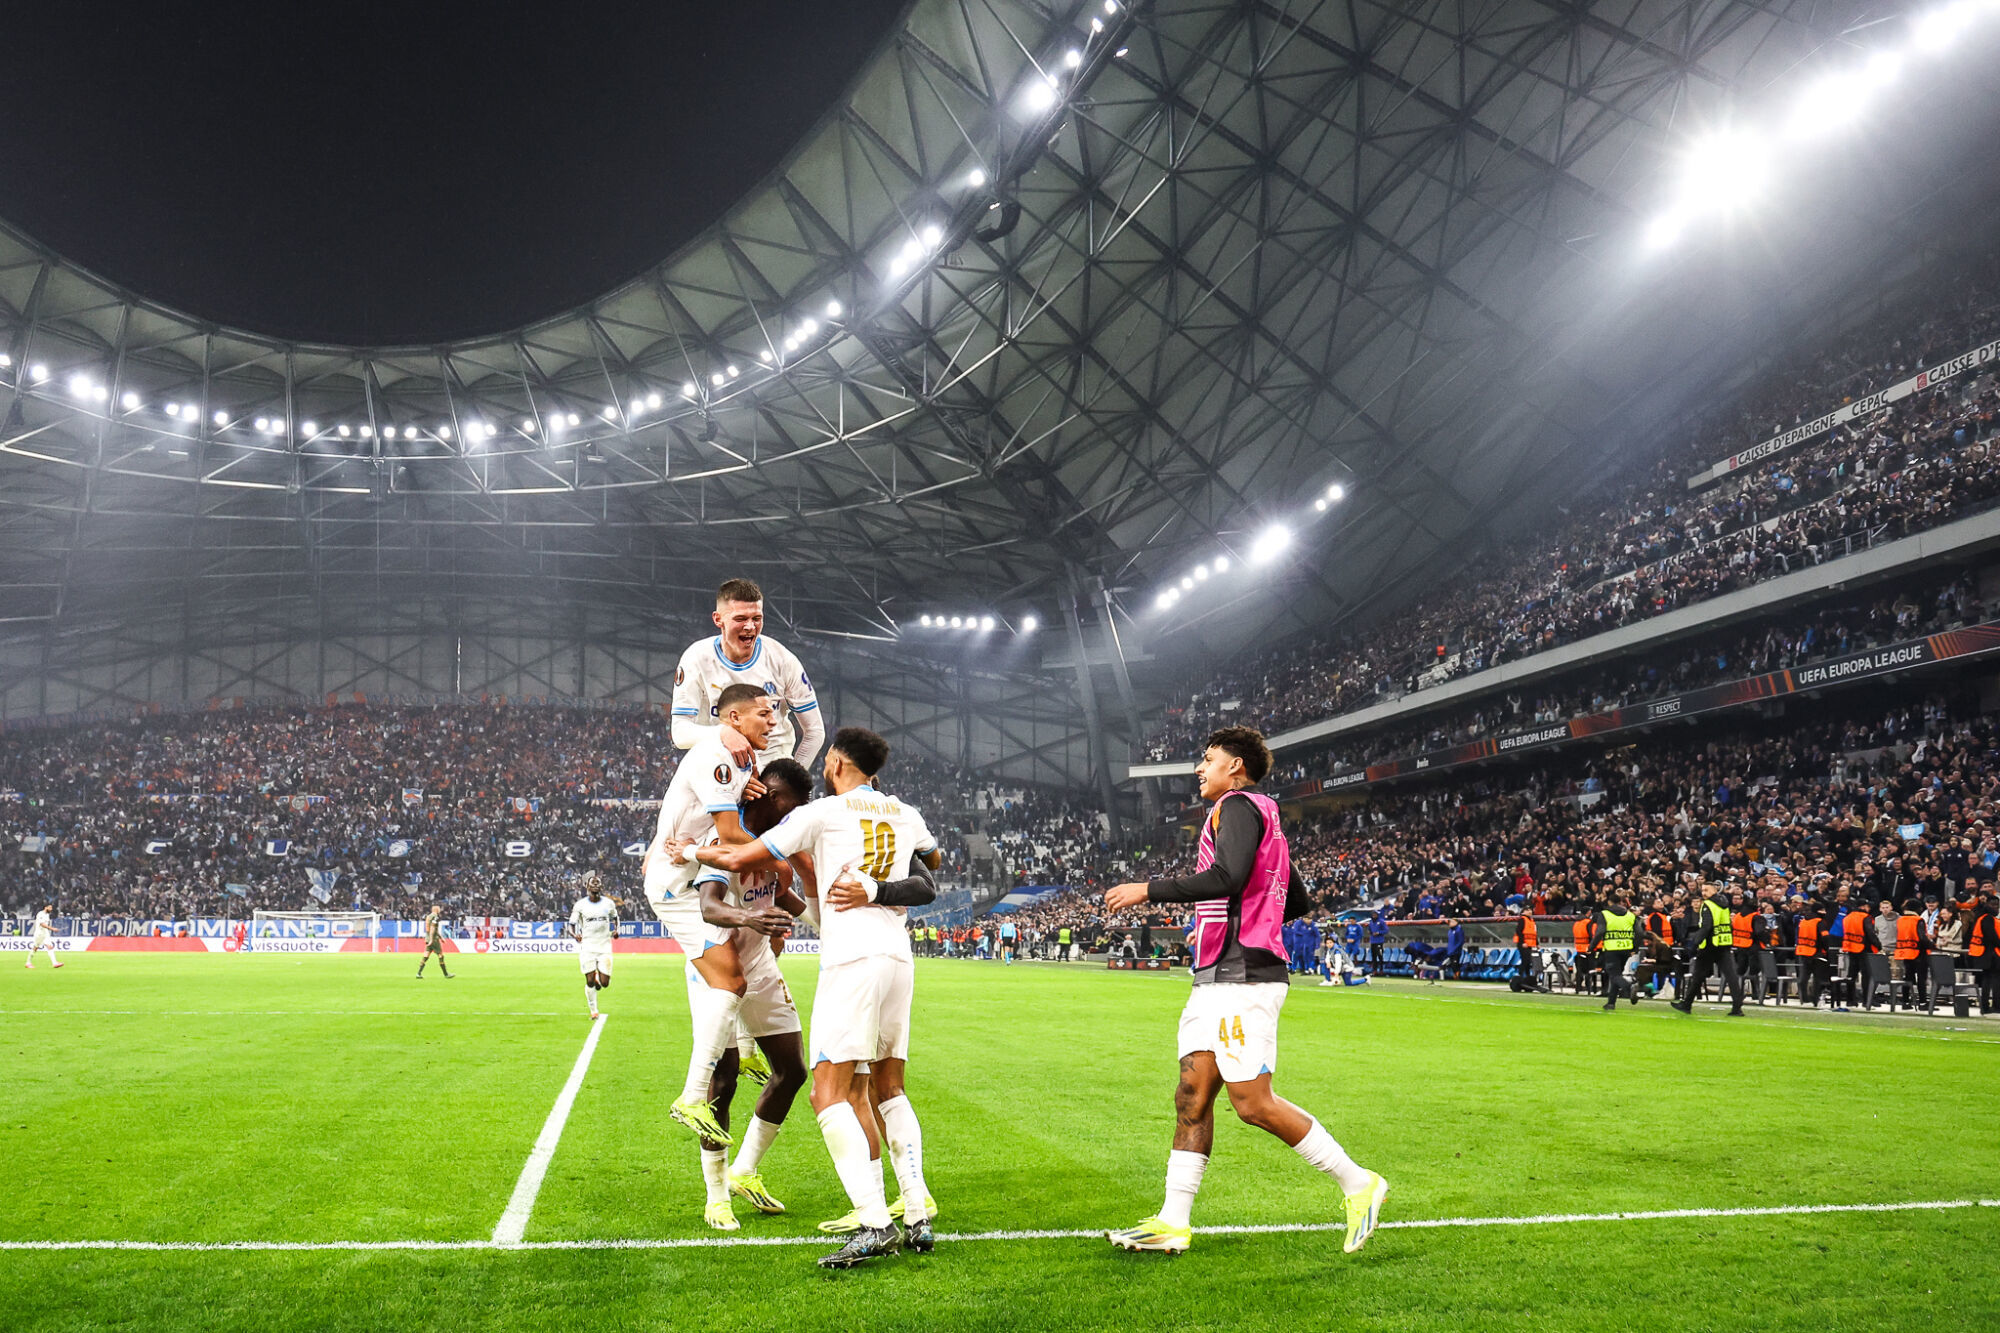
1528,937
1909,934
1854,932
1739,929
1581,930
1808,945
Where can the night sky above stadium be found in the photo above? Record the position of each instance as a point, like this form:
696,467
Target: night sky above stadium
402,173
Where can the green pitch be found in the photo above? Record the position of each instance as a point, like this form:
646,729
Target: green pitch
175,1099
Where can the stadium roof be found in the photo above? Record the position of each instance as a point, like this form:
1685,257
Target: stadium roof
1260,248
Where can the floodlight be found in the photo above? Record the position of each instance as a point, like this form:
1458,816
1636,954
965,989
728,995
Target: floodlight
717,379
1073,57
575,420
409,432
729,370
1201,573
765,356
38,372
129,400
1163,601
1336,493
263,423
1039,95
527,425
1187,584
80,385
957,621
607,411
1270,543
1111,6
344,432
653,401
173,409
1934,33
926,622
309,427
897,268
220,418
833,310
932,234
1663,231
1319,505
1096,25
975,178
1830,102
367,432
5,361
100,393
808,328
1221,563
1030,624
1725,171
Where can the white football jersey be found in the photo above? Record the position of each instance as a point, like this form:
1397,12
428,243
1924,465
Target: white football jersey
707,782
42,920
705,672
866,831
751,890
596,922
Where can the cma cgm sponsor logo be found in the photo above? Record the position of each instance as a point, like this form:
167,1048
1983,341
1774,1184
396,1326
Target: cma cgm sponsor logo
1664,708
1542,737
1908,654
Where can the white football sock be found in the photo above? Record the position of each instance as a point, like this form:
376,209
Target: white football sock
590,994
906,1153
714,1173
860,1175
746,1045
757,1141
714,1015
1184,1171
1318,1148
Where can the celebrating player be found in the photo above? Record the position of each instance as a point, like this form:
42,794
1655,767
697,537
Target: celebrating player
44,937
756,908
593,923
861,1011
1244,889
434,941
701,801
742,654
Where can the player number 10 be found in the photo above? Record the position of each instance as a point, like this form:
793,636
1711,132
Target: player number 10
878,848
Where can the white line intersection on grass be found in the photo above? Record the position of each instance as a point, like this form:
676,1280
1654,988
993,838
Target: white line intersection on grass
753,1242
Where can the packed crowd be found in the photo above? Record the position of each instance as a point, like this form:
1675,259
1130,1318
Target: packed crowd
1654,546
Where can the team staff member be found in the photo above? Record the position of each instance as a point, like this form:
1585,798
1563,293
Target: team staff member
1617,926
1712,953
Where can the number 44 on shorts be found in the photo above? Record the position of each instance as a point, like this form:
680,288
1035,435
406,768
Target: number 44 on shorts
1228,1030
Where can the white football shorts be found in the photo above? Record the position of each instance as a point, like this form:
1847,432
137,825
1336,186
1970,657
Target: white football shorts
1238,1023
861,1011
681,914
768,1010
591,958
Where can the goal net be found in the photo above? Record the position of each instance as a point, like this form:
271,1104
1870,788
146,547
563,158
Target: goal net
316,925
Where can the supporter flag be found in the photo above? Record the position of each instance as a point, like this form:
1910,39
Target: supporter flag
633,849
299,803
527,806
319,883
401,847
155,846
413,796
35,842
1910,832
240,890
278,847
413,881
519,849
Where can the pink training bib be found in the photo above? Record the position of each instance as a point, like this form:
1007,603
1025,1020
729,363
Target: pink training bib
1260,918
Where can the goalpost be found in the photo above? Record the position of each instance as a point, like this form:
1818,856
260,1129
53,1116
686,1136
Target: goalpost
317,925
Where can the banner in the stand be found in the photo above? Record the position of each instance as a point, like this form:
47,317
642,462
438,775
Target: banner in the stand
1971,641
1946,369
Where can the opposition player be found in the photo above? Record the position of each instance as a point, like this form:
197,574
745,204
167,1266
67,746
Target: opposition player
434,942
1244,889
757,909
44,937
593,924
703,800
864,845
742,654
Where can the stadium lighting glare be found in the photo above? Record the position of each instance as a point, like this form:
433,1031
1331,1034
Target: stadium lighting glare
309,428
912,251
263,424
5,361
1934,33
1072,57
637,408
174,410
1040,94
1162,602
718,379
957,621
765,356
986,622
39,373
1029,624
791,342
1270,544
1319,505
1187,583
1201,573
1096,24
99,393
688,390
731,371
897,268
1725,171
932,235
808,328
1829,103
1119,54
1221,564
1111,6
925,622
833,310
975,178
607,411
129,400
1336,493
367,432
79,385
344,431
653,401
1663,231
220,418
574,419
527,425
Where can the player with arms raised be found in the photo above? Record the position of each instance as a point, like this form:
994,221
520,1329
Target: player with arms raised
863,846
1243,889
593,924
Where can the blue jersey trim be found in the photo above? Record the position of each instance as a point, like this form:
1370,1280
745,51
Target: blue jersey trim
755,656
715,877
685,712
717,809
805,708
766,840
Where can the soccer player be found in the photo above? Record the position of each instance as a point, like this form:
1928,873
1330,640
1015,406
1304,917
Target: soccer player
861,1011
757,909
44,937
742,654
434,941
593,924
704,799
1244,888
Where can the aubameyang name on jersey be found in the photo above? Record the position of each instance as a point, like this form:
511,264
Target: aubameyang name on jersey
874,804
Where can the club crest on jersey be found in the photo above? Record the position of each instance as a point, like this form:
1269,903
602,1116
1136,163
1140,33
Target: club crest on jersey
770,687
722,774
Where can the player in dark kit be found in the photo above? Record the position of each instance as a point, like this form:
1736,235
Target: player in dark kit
434,941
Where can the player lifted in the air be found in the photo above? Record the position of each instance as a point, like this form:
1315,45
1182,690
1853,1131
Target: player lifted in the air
703,800
757,909
742,654
1244,889
434,941
861,846
44,937
593,923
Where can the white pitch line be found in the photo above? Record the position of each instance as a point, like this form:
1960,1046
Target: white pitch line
514,1222
759,1242
300,1013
